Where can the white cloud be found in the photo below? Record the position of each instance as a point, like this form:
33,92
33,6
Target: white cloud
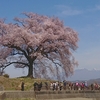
95,8
67,11
71,11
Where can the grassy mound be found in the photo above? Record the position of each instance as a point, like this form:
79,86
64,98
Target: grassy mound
15,83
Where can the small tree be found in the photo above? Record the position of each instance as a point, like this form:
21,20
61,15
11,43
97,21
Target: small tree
39,43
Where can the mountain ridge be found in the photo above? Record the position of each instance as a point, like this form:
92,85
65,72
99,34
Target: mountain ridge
85,74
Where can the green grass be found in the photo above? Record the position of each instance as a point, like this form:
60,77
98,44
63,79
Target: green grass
15,83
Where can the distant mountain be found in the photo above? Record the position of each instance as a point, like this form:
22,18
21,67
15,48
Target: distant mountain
94,81
85,74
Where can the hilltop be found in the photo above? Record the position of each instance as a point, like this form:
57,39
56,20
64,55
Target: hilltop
15,83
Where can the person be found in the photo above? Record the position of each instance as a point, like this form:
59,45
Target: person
39,86
61,86
22,86
54,86
46,85
35,86
51,85
86,85
64,84
77,85
92,86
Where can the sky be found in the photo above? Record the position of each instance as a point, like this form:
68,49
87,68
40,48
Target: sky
81,15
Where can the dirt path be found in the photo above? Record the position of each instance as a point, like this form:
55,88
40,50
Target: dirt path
74,99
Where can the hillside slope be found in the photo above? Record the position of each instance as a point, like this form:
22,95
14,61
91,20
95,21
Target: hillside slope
15,83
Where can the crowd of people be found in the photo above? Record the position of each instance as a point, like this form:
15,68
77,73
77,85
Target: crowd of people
65,85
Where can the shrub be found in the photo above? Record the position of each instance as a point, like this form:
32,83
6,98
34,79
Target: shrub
6,75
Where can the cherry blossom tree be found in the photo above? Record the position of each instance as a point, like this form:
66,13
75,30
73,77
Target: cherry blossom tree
41,43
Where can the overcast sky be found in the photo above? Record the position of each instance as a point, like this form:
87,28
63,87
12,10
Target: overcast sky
81,15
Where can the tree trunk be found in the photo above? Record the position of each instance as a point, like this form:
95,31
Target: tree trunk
30,67
30,70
